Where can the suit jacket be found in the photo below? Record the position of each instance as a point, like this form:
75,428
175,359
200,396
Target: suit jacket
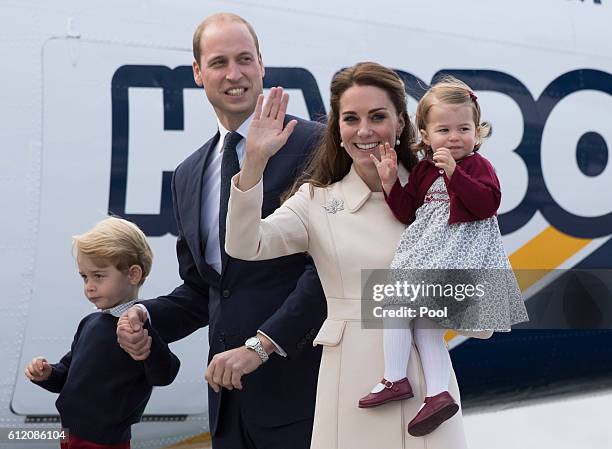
282,297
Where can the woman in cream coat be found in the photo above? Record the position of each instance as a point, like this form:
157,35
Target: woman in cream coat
341,219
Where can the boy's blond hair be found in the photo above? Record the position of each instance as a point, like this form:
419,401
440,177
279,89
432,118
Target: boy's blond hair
117,241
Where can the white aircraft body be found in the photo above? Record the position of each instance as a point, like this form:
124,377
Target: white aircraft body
99,106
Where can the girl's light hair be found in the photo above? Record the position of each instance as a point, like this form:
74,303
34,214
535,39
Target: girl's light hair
449,90
117,241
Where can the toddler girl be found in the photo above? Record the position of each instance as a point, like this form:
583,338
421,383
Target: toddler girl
450,205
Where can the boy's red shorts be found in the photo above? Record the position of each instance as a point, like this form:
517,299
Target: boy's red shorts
75,442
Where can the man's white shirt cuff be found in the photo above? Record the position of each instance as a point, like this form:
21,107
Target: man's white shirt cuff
277,348
145,311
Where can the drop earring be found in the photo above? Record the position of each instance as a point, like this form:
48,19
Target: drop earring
341,144
397,141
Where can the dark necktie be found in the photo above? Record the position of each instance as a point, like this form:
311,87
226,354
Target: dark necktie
229,167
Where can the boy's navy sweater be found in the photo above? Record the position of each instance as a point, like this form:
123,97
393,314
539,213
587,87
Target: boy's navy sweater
103,391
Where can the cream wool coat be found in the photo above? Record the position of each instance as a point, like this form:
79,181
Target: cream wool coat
363,235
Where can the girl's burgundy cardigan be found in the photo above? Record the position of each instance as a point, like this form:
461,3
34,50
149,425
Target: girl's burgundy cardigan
473,190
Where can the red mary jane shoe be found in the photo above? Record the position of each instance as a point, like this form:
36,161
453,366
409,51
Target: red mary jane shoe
437,409
393,391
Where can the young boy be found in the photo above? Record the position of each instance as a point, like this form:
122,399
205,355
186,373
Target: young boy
103,391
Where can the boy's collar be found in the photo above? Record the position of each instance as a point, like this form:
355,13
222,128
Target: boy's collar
119,309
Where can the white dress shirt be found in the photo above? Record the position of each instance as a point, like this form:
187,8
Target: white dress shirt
211,193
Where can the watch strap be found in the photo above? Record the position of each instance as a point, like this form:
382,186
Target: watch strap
259,349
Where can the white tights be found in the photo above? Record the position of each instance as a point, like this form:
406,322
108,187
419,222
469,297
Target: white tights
429,340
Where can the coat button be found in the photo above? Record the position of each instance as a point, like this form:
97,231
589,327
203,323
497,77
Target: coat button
226,293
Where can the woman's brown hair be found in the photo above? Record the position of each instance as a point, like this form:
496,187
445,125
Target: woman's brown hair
330,162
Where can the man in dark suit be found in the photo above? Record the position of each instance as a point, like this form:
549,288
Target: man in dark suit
262,316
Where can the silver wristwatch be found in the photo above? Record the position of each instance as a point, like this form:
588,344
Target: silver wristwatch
254,344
